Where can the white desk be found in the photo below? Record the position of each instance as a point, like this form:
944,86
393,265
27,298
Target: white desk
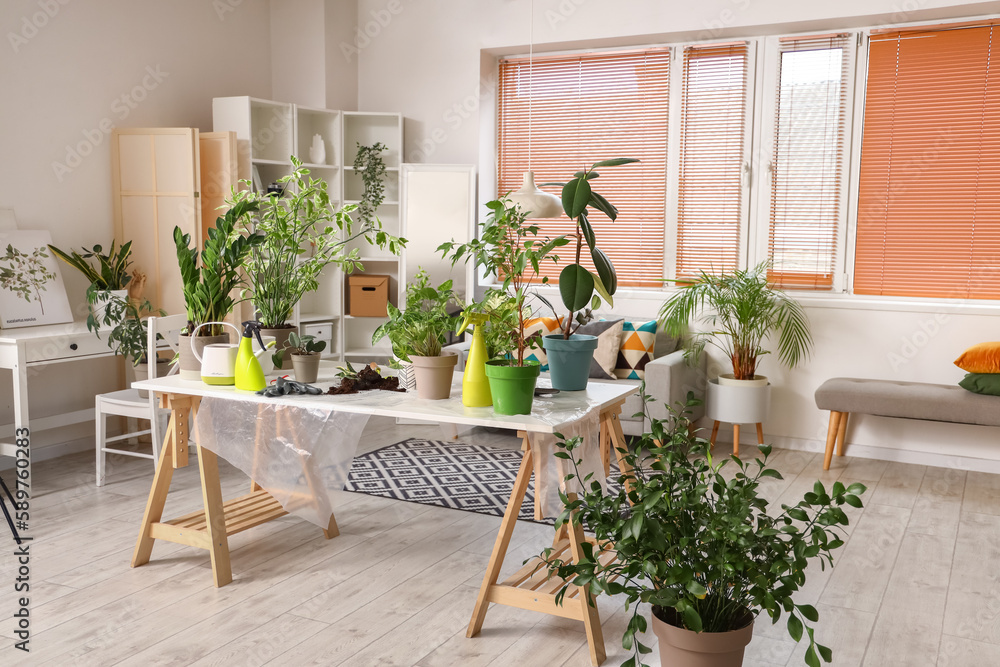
529,588
22,350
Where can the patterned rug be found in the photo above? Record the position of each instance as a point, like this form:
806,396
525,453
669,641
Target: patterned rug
473,478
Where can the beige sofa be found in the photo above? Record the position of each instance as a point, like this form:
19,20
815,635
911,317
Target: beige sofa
669,378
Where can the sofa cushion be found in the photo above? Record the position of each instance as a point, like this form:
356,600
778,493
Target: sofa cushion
982,383
637,347
609,333
981,358
543,326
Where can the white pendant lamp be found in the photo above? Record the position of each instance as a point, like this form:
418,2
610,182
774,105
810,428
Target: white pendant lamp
535,203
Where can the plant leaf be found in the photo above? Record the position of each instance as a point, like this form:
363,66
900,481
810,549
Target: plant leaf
576,286
575,197
606,270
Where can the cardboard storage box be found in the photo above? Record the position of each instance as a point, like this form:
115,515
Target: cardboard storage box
368,295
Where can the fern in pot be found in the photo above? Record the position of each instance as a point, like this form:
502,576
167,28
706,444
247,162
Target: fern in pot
419,331
701,545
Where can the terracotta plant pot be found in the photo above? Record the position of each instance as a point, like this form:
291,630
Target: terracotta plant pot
305,367
142,373
190,366
280,335
434,375
680,647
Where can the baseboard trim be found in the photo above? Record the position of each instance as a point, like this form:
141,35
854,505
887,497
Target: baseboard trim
52,451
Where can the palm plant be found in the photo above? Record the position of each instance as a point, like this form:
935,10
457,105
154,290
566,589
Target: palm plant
741,310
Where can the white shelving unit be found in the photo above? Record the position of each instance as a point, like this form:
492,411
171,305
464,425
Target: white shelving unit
268,133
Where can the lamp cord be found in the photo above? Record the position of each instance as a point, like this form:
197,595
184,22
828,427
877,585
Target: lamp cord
531,71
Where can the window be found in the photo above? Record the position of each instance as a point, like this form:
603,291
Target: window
806,169
928,206
585,108
711,200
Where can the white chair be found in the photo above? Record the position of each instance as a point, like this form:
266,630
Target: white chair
128,403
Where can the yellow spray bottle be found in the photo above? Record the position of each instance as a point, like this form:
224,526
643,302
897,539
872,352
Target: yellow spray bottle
249,374
475,384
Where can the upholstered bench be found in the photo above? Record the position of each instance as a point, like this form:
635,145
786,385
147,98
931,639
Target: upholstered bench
903,400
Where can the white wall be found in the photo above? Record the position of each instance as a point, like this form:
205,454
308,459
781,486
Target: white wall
84,66
434,62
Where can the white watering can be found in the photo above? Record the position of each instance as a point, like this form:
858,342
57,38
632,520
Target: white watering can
218,360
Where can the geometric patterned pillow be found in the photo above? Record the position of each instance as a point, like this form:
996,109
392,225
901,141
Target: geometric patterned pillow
544,326
638,340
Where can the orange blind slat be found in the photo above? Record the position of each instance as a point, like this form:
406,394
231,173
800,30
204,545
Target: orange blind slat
807,164
585,108
929,208
710,194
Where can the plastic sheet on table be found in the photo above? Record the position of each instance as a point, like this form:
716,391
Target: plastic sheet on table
298,454
550,471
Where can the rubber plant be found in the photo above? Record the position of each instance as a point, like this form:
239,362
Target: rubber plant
697,541
578,286
211,276
740,308
510,251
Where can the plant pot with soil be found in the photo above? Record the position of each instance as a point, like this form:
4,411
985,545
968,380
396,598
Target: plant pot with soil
305,353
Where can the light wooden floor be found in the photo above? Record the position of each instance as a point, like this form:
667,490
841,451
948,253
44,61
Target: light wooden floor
918,582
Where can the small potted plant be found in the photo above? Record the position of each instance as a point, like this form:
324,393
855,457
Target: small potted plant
740,310
702,547
511,251
303,234
108,275
209,279
305,352
368,163
570,353
418,332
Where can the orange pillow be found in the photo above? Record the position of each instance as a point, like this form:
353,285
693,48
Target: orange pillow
981,358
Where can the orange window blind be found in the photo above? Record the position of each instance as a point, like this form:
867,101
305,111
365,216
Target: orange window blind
710,208
929,197
584,108
807,164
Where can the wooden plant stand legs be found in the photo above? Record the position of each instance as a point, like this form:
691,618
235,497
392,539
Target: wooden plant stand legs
835,434
531,587
736,436
210,527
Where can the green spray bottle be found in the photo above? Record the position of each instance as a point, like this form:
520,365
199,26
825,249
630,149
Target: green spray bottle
249,374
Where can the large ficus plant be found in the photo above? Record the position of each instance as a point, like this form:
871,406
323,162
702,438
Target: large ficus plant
741,309
696,538
211,276
577,284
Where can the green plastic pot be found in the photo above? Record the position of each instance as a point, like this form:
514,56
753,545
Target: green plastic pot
512,387
569,360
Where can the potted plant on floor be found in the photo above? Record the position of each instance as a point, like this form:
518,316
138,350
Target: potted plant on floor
511,252
306,353
108,275
417,334
209,279
701,547
570,353
130,337
740,310
303,234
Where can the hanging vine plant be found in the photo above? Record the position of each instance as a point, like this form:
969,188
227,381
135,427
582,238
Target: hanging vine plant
369,164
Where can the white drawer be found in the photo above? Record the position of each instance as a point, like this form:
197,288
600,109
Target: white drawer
64,347
321,331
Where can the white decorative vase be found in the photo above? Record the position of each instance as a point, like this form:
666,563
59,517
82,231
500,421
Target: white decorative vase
317,151
738,401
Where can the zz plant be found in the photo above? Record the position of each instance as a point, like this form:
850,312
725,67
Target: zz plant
695,538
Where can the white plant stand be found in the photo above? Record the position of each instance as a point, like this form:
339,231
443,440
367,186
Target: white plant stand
737,405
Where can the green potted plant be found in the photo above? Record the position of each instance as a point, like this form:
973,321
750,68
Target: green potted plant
305,352
418,332
570,353
701,546
108,274
511,251
129,336
368,164
740,310
209,279
303,234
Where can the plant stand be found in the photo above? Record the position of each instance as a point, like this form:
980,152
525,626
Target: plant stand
531,587
737,405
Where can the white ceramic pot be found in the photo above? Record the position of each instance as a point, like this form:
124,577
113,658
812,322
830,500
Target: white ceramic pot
728,379
103,298
744,403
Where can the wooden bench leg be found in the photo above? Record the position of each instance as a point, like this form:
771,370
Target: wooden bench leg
760,433
831,437
842,433
715,432
736,439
